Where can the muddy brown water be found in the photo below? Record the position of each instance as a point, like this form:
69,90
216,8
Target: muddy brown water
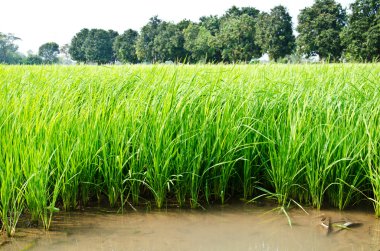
220,228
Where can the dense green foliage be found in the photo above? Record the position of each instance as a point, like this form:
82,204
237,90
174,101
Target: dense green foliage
189,135
199,42
77,50
98,46
245,34
239,35
33,60
319,28
8,49
274,33
49,52
169,43
362,35
237,12
125,46
145,43
236,39
94,46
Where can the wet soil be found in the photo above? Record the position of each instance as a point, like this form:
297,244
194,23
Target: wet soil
220,228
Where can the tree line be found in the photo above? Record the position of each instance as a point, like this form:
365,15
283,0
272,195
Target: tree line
47,53
239,35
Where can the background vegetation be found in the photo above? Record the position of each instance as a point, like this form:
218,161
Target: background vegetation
240,35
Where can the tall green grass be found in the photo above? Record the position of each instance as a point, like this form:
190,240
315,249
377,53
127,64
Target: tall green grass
186,135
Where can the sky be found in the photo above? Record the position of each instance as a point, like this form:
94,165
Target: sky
39,21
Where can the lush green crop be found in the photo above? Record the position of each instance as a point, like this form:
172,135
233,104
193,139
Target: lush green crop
187,134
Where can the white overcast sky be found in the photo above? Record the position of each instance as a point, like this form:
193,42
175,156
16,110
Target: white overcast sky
40,21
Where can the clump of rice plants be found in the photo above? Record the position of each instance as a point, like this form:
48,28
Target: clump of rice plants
186,135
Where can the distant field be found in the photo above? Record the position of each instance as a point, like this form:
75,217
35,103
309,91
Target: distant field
187,135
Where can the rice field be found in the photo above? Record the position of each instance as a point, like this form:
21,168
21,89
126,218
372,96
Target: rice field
187,135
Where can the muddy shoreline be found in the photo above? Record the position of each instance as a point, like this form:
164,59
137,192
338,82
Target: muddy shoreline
229,227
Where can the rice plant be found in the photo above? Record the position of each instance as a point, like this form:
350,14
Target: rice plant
186,135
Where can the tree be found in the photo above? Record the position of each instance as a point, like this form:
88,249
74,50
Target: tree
237,12
113,35
64,55
125,46
212,25
98,46
169,43
76,49
373,38
183,54
65,51
237,39
8,49
319,27
145,43
262,31
33,60
199,43
362,35
183,24
49,52
274,33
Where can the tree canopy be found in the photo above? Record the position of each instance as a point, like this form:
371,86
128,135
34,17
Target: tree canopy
8,49
76,49
33,60
145,43
236,12
274,33
49,52
362,35
199,43
319,28
125,46
237,39
169,43
95,45
241,34
98,46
